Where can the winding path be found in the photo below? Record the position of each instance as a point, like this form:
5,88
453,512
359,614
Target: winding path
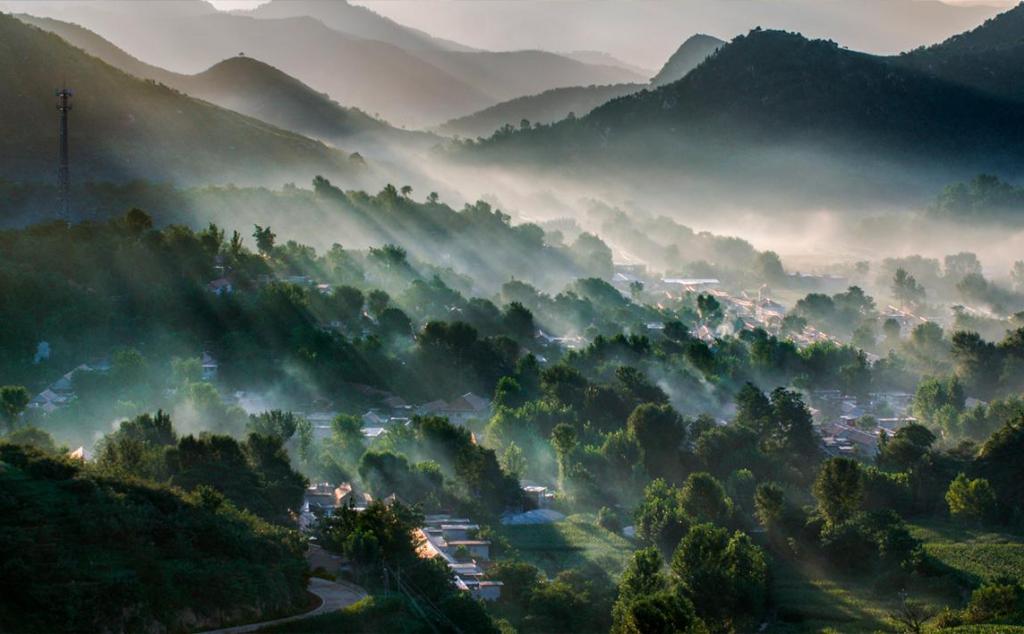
333,595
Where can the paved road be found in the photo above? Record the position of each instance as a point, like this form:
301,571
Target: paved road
333,596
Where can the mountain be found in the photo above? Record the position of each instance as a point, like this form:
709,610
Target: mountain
374,76
420,87
693,51
126,128
354,20
771,102
547,107
252,88
502,75
645,32
989,58
604,59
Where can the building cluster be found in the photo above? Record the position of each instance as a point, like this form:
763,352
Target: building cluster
454,541
394,411
61,392
840,420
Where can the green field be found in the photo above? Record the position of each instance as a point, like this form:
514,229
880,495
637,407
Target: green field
979,555
813,599
574,542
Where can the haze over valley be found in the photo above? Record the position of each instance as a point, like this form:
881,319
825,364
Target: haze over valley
518,316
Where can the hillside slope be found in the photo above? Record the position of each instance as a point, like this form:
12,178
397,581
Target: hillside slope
989,58
805,101
547,107
249,87
692,52
413,87
124,128
354,20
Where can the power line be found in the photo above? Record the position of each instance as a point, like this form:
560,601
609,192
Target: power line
64,170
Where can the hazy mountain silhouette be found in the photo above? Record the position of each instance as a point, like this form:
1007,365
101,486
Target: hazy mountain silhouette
124,128
692,52
646,32
252,88
807,101
547,107
414,87
990,57
354,20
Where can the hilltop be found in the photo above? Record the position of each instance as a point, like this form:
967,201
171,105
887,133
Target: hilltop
126,128
691,53
805,102
409,84
250,87
547,107
989,58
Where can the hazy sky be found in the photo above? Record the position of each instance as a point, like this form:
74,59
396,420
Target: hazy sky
646,32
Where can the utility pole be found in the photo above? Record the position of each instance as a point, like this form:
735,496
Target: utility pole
64,171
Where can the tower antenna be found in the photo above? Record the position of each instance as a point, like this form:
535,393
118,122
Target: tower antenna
64,172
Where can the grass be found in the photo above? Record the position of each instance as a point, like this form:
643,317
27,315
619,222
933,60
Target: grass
979,555
816,599
575,542
812,599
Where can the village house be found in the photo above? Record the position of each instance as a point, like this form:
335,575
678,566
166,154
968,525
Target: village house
459,411
450,539
209,367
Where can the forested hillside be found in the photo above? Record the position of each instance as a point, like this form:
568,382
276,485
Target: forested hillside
88,551
125,128
770,103
989,58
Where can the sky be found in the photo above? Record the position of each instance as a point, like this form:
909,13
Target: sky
646,32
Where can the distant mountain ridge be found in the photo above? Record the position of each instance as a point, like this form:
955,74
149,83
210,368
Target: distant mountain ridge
989,58
124,128
422,82
547,107
780,93
250,87
693,51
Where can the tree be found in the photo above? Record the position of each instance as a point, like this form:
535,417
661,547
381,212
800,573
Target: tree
377,301
769,504
839,489
406,191
432,198
513,461
703,500
13,401
264,240
906,289
768,267
971,500
709,309
725,576
636,289
643,576
911,615
137,221
660,432
563,439
663,612
753,408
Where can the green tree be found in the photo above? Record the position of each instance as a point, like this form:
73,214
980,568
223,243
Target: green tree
564,440
839,489
264,240
13,401
702,499
726,577
971,500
